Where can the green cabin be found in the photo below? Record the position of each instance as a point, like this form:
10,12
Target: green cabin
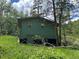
36,29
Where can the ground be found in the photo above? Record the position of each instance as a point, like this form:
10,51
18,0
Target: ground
11,49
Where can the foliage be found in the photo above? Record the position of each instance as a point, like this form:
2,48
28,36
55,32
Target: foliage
72,33
11,49
72,28
8,22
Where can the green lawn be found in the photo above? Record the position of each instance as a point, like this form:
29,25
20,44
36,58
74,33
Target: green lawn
11,49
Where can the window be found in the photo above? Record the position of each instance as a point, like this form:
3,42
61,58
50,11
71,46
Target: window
42,25
29,24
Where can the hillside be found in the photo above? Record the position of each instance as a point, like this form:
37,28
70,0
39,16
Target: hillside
11,49
72,28
71,33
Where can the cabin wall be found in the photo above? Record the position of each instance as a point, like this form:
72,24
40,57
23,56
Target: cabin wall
31,27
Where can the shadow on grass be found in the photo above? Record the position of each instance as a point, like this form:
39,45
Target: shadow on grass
2,51
72,47
56,57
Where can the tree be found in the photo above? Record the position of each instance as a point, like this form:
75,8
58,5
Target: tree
61,9
55,19
1,13
8,16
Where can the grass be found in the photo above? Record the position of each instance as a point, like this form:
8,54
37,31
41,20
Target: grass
11,49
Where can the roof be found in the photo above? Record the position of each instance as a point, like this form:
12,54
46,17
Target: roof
23,18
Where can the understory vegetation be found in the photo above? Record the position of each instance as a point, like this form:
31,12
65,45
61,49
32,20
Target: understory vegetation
71,33
11,49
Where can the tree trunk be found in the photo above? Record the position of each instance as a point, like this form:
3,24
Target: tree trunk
54,13
64,33
60,19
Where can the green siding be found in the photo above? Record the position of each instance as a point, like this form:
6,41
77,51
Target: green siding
48,31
